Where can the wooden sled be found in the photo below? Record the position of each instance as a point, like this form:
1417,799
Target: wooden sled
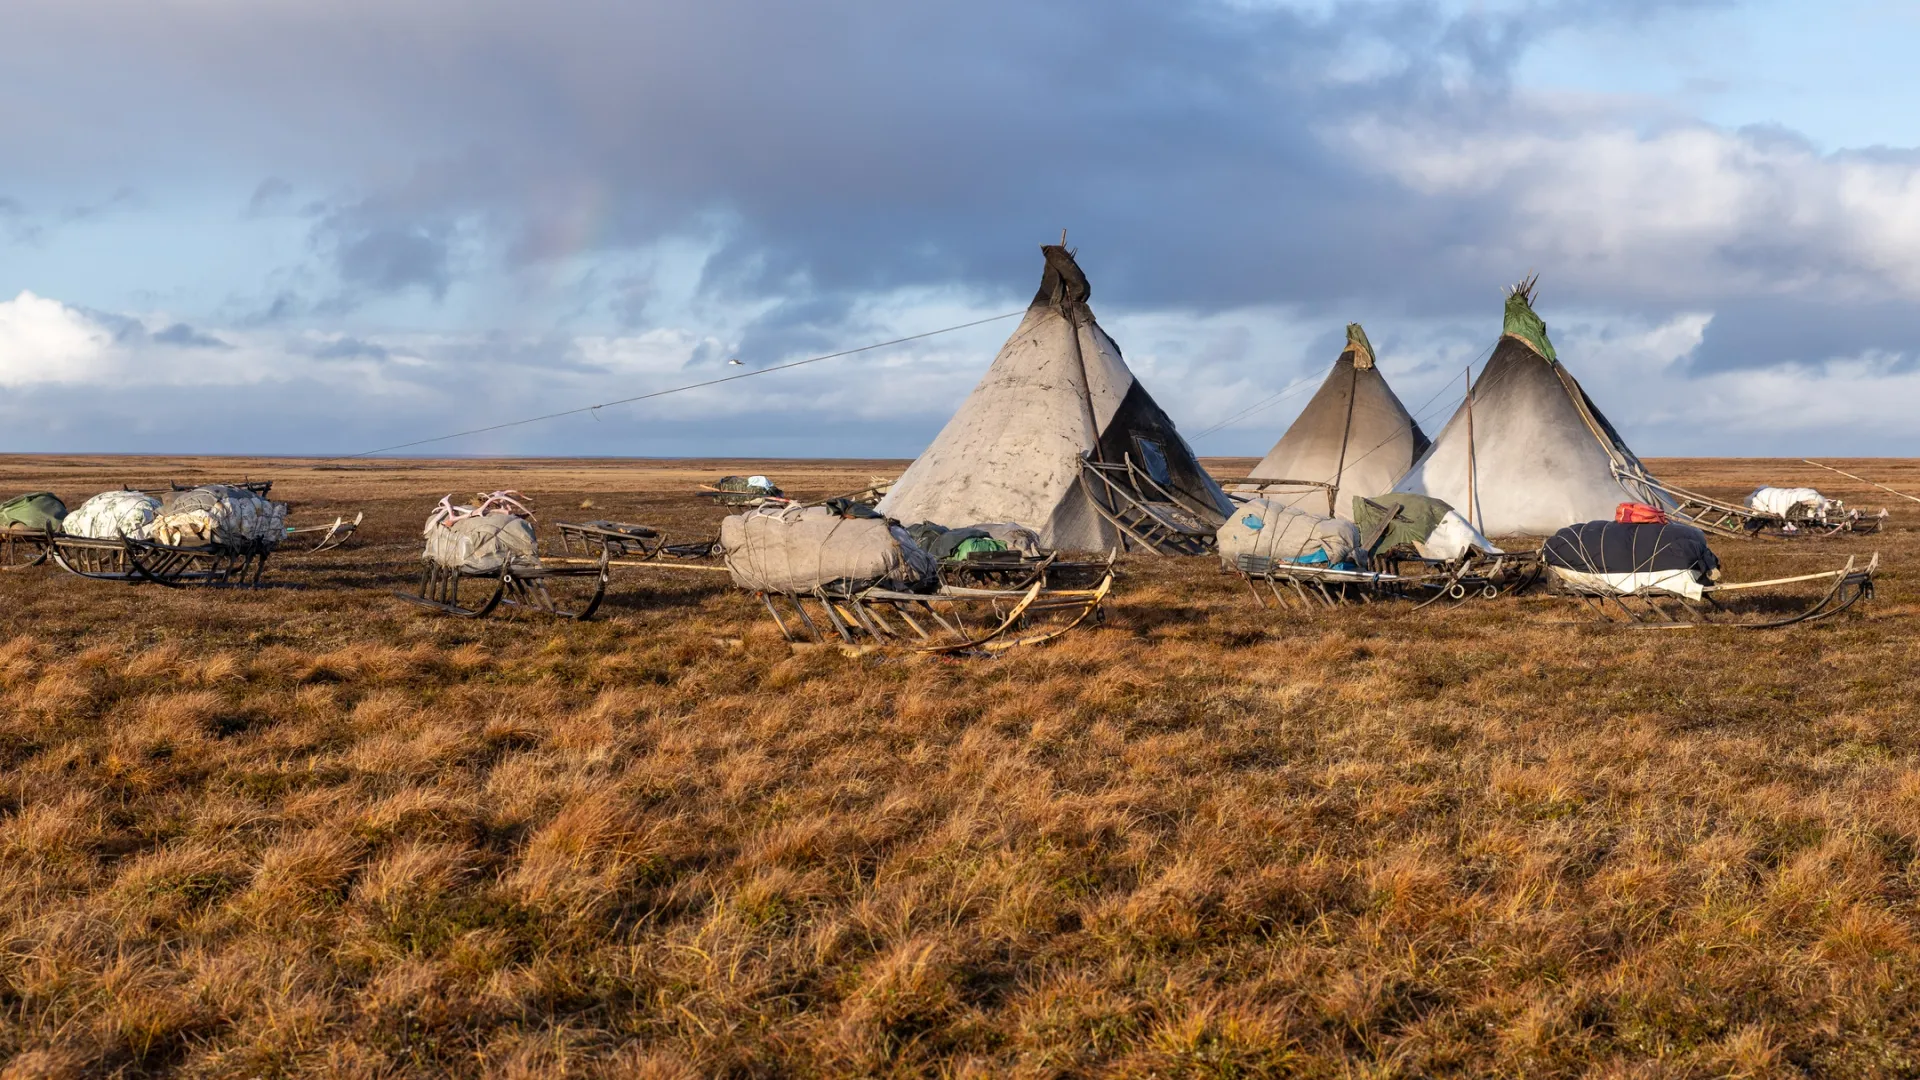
953,620
258,487
171,565
1657,609
626,544
1730,519
23,548
1423,581
331,535
518,583
1012,570
1476,577
1147,515
1260,487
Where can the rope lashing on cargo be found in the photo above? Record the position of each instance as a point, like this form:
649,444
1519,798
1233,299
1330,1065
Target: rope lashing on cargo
593,409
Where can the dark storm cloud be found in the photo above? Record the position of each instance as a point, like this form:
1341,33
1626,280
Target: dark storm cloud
866,144
383,254
1198,152
1771,331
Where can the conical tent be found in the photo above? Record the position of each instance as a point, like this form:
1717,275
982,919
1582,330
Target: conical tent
1528,452
1059,394
1354,434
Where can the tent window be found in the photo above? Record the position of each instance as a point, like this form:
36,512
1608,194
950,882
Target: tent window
1154,460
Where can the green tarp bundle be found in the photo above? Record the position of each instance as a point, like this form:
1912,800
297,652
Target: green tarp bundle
1388,521
37,510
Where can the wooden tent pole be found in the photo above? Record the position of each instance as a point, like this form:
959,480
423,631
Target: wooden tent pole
1862,479
1473,498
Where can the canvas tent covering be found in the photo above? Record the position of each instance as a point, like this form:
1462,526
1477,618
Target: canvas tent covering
1354,434
1539,452
36,510
111,515
798,549
1273,530
1058,390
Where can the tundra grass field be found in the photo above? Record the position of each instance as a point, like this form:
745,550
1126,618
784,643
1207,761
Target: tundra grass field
310,830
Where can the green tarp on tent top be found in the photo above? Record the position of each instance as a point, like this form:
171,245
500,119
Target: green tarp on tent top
36,510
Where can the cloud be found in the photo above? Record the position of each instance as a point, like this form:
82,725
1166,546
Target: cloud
503,213
45,341
272,195
348,348
188,338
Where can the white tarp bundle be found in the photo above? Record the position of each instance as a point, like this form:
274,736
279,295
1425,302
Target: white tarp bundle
1453,538
478,543
222,515
1273,530
1659,582
796,549
1783,502
111,515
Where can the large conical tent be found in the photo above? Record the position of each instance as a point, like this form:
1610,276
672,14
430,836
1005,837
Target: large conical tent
1058,395
1528,452
1354,435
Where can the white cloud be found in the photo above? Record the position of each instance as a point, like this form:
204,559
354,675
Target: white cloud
1687,212
45,341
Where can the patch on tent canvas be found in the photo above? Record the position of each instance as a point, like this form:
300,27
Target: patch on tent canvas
1361,348
1521,322
1252,521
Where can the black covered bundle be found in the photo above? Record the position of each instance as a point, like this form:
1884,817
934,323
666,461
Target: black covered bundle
1611,547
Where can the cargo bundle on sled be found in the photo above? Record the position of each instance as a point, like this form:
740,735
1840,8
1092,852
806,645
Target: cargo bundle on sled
477,558
1665,575
855,577
1395,546
216,534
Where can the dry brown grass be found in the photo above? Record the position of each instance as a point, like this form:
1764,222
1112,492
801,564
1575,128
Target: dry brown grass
310,831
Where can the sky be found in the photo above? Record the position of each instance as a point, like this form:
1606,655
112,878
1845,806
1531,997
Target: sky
334,226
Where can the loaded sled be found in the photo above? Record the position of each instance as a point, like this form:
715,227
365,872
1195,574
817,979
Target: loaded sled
1398,547
479,558
1722,517
951,619
1664,576
859,579
217,535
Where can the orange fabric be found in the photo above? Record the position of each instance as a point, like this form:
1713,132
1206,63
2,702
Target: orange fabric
1633,513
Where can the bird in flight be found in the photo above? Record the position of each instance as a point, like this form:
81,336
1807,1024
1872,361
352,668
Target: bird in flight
736,363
